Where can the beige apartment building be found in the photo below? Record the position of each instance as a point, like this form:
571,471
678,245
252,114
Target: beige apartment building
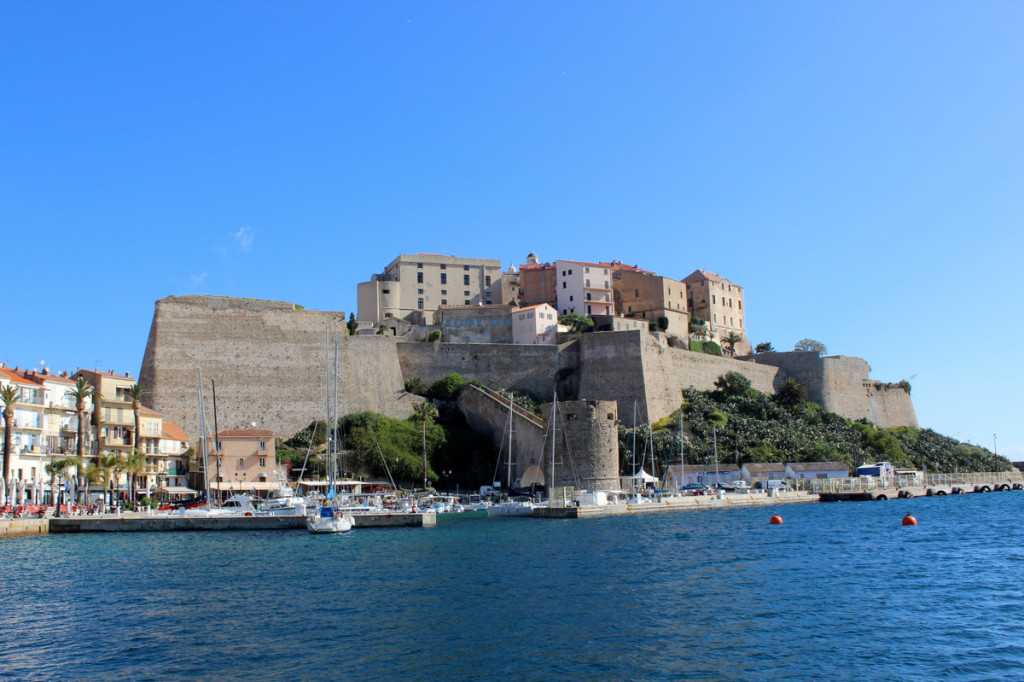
718,302
246,462
647,295
113,417
412,288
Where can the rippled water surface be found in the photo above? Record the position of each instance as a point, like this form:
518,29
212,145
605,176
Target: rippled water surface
838,591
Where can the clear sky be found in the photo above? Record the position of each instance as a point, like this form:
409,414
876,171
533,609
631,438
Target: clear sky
857,167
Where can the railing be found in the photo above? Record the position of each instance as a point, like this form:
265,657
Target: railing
869,483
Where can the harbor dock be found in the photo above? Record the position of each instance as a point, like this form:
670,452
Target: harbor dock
667,504
112,523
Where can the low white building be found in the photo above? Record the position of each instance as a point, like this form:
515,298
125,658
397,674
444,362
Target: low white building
693,474
535,324
815,470
753,472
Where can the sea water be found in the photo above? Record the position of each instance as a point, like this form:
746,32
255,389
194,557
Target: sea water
838,591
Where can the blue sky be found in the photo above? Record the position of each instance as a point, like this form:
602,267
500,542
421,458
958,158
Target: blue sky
857,167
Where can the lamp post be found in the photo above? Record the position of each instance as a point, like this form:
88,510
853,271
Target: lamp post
995,449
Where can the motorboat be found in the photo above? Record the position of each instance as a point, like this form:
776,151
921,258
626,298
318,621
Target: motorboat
329,520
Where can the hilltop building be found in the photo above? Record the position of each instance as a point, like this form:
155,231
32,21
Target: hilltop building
569,286
639,293
413,287
719,303
475,323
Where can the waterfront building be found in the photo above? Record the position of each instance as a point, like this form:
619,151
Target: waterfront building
535,324
752,472
639,293
244,461
719,303
172,460
412,288
676,477
815,470
44,426
475,323
113,416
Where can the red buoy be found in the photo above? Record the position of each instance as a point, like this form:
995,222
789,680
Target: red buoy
909,520
775,520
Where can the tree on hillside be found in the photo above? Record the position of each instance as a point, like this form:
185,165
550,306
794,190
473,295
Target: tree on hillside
351,327
732,383
765,347
577,323
811,344
791,393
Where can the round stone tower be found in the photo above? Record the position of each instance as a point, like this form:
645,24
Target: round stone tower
586,444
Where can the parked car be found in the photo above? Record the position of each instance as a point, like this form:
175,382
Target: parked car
772,484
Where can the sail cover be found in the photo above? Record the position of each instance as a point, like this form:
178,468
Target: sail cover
532,476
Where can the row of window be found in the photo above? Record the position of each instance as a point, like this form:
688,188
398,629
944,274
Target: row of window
444,279
479,322
444,266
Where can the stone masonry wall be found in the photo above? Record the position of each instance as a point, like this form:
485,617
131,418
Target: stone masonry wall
269,361
486,413
667,370
499,365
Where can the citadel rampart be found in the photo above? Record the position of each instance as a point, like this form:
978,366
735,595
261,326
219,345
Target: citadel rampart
269,362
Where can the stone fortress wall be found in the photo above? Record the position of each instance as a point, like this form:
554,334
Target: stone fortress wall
269,362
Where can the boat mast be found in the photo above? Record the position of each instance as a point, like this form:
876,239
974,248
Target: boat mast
334,422
202,437
216,443
554,412
508,481
632,479
682,451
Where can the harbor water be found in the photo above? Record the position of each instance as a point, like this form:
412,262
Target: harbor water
838,591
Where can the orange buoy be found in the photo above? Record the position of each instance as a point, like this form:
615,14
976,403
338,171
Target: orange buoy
909,520
775,520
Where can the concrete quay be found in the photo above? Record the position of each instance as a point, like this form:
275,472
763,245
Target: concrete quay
130,523
670,504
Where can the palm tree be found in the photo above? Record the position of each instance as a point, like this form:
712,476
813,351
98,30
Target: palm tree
82,391
135,464
97,474
732,338
114,463
8,395
425,412
58,469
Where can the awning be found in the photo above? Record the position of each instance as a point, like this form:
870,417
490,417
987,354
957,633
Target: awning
244,485
176,490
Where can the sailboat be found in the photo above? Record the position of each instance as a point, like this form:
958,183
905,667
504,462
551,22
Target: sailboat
330,518
511,507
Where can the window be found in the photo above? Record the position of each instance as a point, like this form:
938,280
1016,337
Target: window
570,272
487,280
419,291
739,304
419,278
444,278
588,282
466,268
467,302
636,293
385,291
563,285
444,292
443,266
419,303
465,280
487,294
465,293
570,299
241,463
218,445
444,301
263,461
263,446
586,270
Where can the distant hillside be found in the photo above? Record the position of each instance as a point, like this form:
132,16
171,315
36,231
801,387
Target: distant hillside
755,427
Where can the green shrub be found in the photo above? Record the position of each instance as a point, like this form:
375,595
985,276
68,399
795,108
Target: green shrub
447,387
709,347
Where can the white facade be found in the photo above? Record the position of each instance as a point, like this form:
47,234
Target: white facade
584,288
816,470
535,324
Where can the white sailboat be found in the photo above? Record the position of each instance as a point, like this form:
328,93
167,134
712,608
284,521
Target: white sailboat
521,506
330,518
